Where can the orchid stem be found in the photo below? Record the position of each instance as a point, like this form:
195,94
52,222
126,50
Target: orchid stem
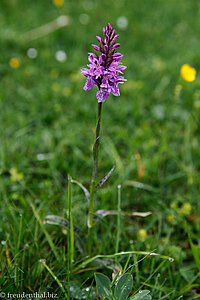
94,174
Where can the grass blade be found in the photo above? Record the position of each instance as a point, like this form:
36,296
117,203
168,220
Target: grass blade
55,277
53,248
89,260
46,29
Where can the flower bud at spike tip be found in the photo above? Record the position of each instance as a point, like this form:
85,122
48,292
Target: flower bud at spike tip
105,70
109,26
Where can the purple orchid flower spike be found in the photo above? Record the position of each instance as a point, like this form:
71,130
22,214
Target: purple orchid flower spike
104,70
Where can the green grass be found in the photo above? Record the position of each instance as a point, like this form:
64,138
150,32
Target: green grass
47,125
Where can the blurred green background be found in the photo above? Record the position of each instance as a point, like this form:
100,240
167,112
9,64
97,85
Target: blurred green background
47,122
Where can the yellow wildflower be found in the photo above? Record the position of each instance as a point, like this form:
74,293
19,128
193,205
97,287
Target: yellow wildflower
14,196
15,175
188,73
164,240
76,76
174,205
171,218
57,107
58,2
190,179
14,62
197,104
142,234
66,92
29,71
54,74
186,209
55,87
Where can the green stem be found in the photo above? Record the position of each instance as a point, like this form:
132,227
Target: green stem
70,235
94,173
71,227
96,143
118,219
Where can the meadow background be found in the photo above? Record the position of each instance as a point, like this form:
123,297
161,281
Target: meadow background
151,131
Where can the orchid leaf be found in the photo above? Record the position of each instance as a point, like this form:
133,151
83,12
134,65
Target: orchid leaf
105,178
80,239
140,185
100,214
86,192
110,264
